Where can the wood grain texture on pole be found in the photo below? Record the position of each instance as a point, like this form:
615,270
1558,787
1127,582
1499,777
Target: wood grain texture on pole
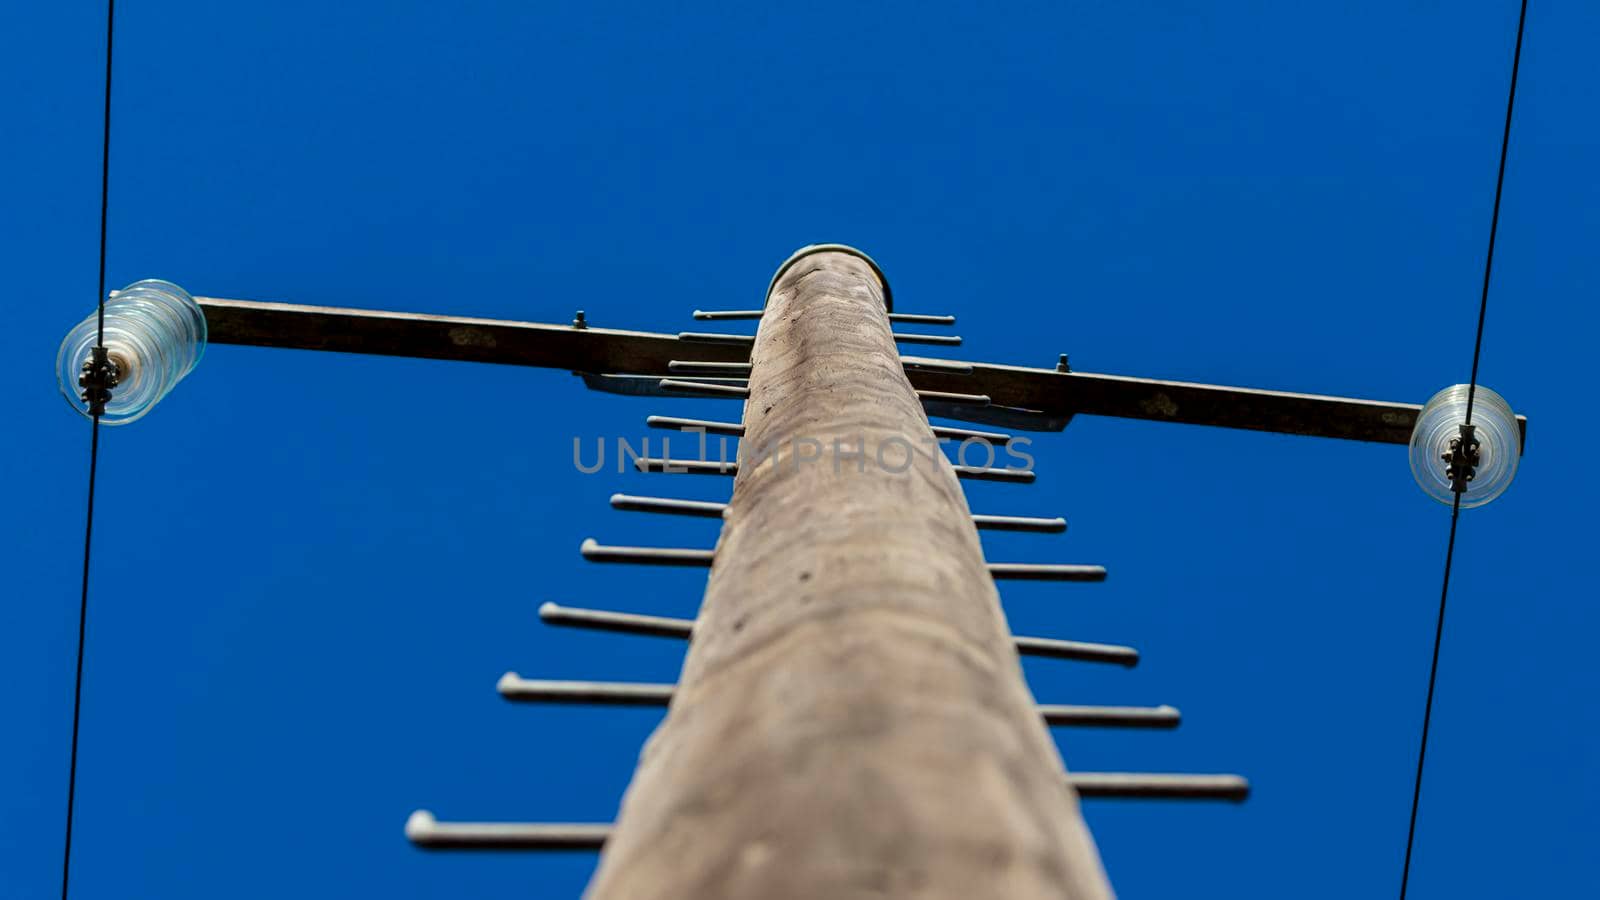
851,720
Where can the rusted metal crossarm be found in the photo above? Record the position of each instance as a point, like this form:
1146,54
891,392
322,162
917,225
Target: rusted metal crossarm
588,349
739,391
591,349
748,340
664,626
1083,393
694,367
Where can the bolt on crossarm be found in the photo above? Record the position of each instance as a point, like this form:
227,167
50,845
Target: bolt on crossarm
851,719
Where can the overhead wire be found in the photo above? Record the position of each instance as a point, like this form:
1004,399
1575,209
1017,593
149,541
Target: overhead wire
94,461
1455,506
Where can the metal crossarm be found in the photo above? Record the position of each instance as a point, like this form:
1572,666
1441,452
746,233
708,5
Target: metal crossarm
589,349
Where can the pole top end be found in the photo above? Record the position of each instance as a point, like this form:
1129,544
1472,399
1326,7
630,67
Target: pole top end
888,295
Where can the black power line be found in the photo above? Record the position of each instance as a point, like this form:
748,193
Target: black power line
1455,506
94,458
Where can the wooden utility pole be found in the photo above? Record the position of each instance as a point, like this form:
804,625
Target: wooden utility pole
851,720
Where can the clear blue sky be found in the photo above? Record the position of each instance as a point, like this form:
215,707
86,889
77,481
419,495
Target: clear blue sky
310,569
